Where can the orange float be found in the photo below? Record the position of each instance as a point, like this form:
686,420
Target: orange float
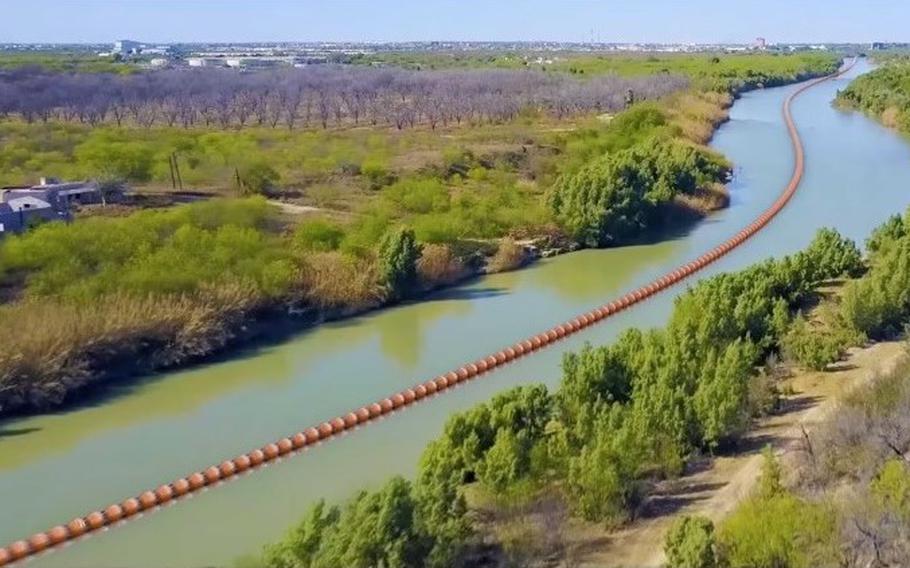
164,493
148,500
94,520
325,430
271,451
376,409
18,549
337,426
197,480
431,387
398,399
257,456
38,542
299,439
420,391
77,527
442,383
241,463
5,557
57,535
226,469
182,486
113,513
387,405
213,474
409,396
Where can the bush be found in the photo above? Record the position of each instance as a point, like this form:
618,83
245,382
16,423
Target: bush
509,256
258,178
690,543
398,255
813,348
438,266
318,235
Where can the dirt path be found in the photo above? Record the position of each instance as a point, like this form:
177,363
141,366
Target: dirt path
716,486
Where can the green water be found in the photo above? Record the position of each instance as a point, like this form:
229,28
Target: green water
55,467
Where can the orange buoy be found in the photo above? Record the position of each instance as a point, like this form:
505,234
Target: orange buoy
482,366
227,468
182,486
420,391
363,414
519,349
164,493
510,353
5,557
18,549
77,527
451,376
271,451
212,474
197,480
337,424
325,430
376,409
38,542
241,463
409,396
130,507
491,361
94,520
285,445
472,369
257,456
148,500
552,335
398,398
113,513
56,535
299,439
441,383
560,330
387,405
431,387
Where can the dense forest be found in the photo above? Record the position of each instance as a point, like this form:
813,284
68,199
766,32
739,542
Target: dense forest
624,416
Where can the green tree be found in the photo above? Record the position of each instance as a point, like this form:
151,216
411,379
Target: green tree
690,543
398,255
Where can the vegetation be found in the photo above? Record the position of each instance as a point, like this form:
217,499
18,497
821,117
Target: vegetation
849,502
883,93
716,71
625,415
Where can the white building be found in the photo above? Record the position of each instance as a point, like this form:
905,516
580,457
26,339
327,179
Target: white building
127,47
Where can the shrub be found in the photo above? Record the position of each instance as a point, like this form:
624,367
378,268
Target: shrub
334,280
438,266
318,235
376,174
690,543
258,178
509,256
398,255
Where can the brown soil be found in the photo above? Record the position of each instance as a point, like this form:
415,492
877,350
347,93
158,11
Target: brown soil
716,485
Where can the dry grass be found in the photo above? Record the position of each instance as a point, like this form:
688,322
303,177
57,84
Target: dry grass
509,256
705,199
334,281
891,117
697,114
51,347
438,266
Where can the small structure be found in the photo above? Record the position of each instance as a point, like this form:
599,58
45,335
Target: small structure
127,47
50,200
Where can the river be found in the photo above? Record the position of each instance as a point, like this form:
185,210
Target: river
58,466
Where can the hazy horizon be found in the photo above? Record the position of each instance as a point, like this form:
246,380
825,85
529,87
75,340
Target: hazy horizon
386,21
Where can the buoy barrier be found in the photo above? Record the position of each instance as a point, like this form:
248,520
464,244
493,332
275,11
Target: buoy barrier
149,500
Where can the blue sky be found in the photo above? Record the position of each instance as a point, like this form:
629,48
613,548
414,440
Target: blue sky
392,20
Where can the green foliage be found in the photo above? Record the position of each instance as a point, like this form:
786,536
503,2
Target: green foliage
813,347
690,543
152,252
318,235
398,255
615,197
258,178
891,488
884,92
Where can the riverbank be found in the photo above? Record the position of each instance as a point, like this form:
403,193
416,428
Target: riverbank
156,301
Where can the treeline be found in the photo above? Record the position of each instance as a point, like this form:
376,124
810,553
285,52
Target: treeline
883,93
623,417
314,96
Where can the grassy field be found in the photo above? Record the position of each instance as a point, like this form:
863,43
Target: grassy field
64,61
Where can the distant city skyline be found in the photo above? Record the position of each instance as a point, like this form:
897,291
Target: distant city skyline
630,21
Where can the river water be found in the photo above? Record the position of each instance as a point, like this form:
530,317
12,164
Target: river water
57,466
